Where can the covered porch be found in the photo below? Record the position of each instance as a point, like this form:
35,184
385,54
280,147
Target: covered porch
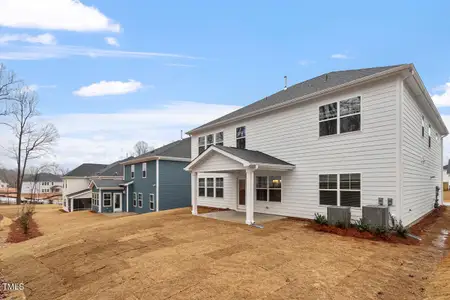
247,176
240,217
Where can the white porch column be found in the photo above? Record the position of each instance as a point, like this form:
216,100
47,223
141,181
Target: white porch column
250,196
100,200
128,199
71,205
194,181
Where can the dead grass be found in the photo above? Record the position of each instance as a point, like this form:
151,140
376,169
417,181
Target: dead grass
175,255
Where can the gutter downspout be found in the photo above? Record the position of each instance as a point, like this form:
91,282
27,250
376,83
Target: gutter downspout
157,184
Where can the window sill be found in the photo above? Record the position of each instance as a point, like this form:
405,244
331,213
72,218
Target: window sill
340,134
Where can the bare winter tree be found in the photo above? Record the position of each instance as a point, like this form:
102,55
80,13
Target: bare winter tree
32,140
8,85
140,148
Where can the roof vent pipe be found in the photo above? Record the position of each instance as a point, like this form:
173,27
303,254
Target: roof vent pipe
285,83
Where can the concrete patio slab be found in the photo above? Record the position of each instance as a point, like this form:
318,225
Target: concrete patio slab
239,216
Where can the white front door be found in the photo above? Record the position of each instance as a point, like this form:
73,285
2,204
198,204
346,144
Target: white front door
117,202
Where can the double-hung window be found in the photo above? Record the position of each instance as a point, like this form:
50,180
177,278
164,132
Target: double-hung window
132,171
107,199
140,200
328,189
240,137
429,136
219,187
134,199
151,201
209,187
219,138
209,140
201,145
346,193
340,117
268,188
144,170
201,187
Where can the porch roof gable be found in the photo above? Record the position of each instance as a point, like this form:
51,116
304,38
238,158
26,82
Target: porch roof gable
244,156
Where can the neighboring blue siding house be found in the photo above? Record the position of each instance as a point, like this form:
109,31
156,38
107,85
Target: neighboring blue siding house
151,182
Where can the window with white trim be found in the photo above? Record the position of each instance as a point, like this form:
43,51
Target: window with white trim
347,193
134,199
340,117
429,136
140,200
209,140
95,199
240,137
423,126
107,199
219,187
144,170
268,188
132,171
219,138
201,187
209,187
201,144
151,201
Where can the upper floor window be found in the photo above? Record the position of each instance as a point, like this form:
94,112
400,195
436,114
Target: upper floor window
219,138
429,136
209,140
340,117
132,171
201,145
240,137
423,126
144,170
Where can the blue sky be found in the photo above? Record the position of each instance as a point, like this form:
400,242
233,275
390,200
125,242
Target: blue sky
226,54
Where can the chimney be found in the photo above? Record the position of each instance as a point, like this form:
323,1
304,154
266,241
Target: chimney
285,83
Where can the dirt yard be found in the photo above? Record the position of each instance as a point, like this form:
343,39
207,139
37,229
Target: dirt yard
174,255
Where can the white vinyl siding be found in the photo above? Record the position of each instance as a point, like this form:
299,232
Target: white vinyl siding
229,192
420,162
217,161
372,151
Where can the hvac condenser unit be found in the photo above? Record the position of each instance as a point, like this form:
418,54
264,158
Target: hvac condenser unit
376,215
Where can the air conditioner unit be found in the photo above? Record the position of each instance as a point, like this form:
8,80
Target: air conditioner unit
339,214
376,215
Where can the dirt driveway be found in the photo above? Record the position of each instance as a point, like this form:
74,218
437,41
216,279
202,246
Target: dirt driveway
174,255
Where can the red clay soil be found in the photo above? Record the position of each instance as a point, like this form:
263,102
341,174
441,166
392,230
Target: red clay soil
353,232
16,234
420,227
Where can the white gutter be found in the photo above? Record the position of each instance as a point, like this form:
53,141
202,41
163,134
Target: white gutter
306,97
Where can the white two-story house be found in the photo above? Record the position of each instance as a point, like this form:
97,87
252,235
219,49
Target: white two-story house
42,183
346,138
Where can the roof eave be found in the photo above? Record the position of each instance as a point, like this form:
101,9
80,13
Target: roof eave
151,158
304,98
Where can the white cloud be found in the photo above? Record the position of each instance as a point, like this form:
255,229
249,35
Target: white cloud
112,41
109,88
180,65
443,99
340,56
106,137
69,15
47,52
305,62
45,39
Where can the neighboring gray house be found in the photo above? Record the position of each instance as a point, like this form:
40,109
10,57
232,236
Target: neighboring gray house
344,138
152,182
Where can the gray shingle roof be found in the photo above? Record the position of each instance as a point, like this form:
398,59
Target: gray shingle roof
114,169
78,192
254,157
180,149
86,170
42,177
107,183
322,82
